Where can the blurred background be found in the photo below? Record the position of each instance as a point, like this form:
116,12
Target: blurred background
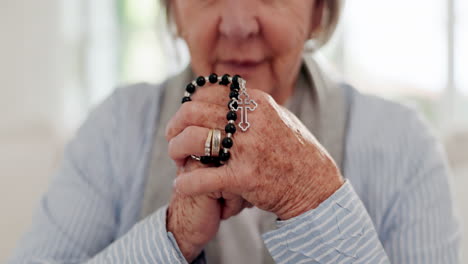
59,58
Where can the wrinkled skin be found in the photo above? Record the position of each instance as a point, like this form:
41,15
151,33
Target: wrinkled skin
194,220
277,165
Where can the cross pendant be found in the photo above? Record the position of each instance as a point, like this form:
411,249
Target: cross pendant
244,104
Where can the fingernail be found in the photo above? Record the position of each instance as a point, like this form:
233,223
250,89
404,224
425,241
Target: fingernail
174,183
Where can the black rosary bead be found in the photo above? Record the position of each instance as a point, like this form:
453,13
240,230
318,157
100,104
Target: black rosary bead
186,99
235,87
224,156
227,142
230,128
190,88
236,78
234,94
206,159
224,79
231,115
213,78
201,81
235,105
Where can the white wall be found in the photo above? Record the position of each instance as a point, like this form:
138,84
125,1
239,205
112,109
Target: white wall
31,108
30,71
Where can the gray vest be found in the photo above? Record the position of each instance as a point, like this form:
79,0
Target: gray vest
319,102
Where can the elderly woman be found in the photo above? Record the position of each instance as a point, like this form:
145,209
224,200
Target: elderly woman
281,165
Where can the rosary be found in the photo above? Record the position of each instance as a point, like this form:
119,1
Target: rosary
217,151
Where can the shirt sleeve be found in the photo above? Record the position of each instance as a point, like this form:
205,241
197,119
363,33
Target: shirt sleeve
339,230
416,224
77,219
147,242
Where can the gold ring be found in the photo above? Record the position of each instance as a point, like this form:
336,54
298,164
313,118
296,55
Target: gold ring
208,143
216,143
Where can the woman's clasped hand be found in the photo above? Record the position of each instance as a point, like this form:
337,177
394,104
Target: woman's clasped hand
277,165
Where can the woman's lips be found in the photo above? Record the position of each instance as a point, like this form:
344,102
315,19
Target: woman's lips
243,68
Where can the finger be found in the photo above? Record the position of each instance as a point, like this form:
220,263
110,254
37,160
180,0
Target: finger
228,195
191,141
232,207
189,165
201,181
196,114
247,204
212,93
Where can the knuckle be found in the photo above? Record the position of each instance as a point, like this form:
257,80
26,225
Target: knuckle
259,95
250,182
229,178
265,99
190,132
192,165
171,131
202,94
180,119
187,110
255,92
190,115
172,149
177,143
167,133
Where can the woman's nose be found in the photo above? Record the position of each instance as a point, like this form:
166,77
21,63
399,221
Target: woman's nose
239,20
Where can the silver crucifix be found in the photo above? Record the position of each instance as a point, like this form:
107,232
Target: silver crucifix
244,104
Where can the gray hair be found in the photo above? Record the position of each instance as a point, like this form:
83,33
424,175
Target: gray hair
328,25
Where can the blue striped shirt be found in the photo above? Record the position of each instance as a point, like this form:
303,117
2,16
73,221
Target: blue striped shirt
395,206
